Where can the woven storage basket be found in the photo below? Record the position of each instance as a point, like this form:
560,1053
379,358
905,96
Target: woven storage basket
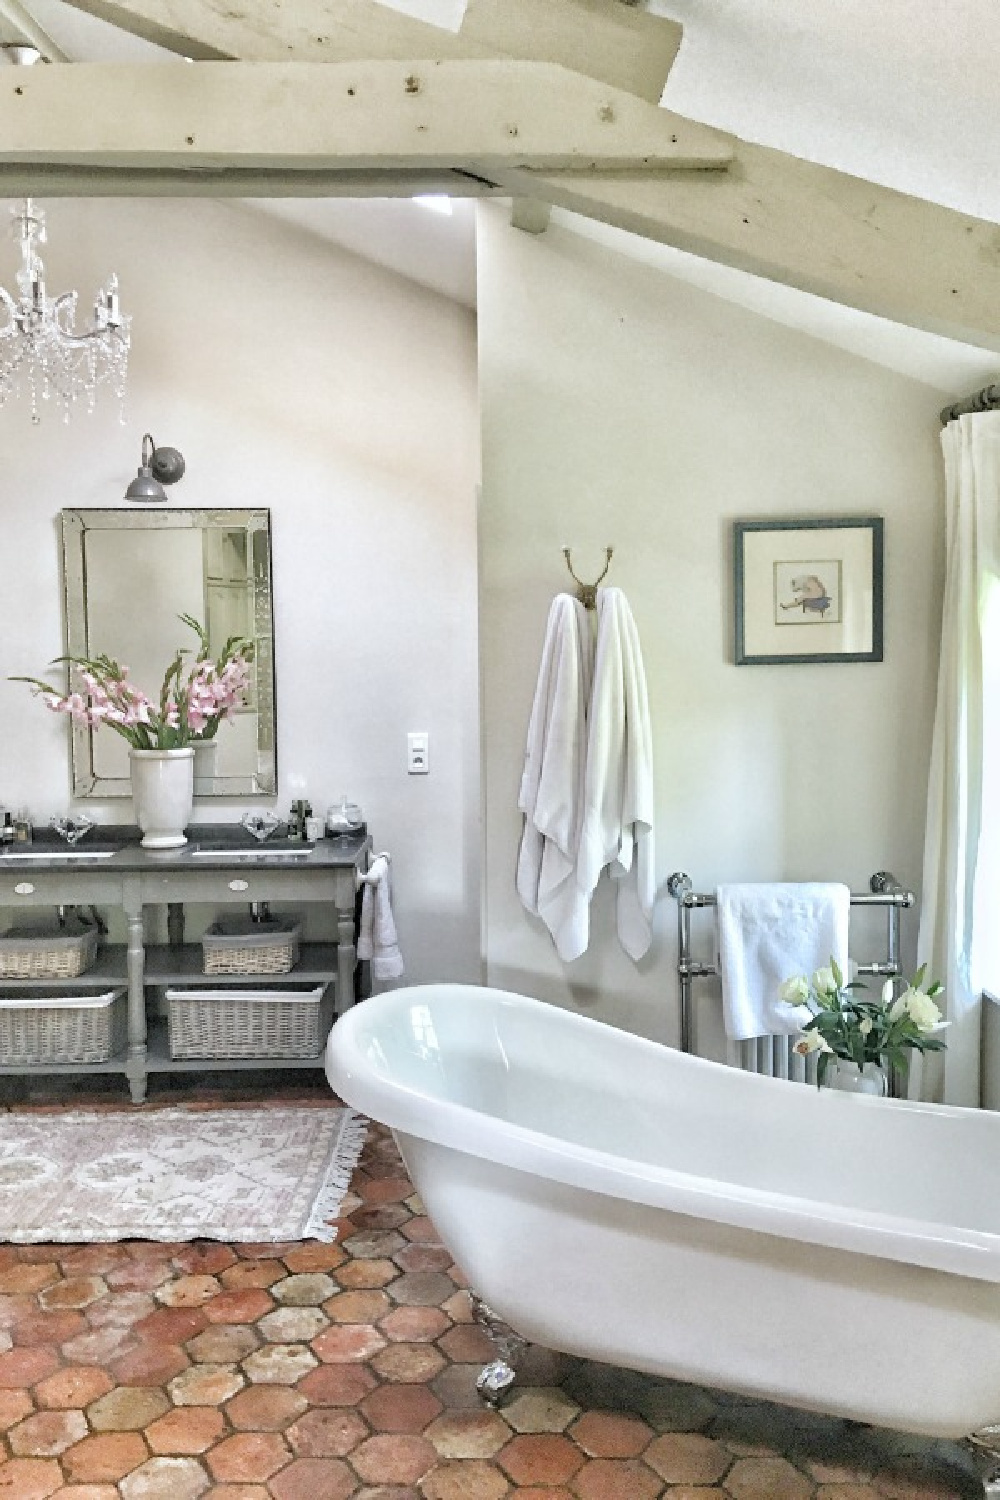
49,951
237,945
244,1023
49,1029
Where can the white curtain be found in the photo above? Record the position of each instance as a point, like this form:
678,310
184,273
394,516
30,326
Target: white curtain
955,791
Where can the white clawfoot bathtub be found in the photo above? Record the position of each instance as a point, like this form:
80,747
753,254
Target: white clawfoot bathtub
613,1198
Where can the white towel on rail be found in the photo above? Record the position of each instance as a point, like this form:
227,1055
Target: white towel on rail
619,810
769,933
377,938
551,794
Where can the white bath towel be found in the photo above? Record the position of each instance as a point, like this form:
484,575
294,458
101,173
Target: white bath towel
770,933
551,795
619,811
377,938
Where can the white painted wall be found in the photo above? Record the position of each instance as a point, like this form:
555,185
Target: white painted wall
294,375
622,407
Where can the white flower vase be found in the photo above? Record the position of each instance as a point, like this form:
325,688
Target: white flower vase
163,794
848,1078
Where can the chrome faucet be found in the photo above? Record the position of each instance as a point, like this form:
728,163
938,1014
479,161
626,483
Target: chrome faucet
72,829
260,825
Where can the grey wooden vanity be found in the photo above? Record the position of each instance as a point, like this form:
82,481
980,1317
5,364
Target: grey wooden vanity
219,867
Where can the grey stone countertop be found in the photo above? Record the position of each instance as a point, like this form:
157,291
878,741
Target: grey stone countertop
210,845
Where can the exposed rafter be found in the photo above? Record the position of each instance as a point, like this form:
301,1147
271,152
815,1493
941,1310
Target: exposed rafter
28,28
603,39
482,116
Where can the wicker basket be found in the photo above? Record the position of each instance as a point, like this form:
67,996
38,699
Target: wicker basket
245,1023
42,1030
237,945
48,951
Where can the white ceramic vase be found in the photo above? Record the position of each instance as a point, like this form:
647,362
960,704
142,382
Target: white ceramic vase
163,794
847,1078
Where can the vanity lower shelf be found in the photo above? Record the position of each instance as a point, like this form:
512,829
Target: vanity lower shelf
165,965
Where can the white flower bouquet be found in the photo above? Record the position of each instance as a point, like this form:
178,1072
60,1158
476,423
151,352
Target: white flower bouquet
844,1024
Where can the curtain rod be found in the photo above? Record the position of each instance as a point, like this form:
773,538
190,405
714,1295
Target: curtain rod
988,399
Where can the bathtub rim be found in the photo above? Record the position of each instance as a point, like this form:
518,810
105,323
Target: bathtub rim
956,1250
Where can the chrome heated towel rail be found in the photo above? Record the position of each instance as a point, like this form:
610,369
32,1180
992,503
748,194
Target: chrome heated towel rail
772,1055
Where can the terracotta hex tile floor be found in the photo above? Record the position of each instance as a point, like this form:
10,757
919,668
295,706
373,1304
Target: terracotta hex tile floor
347,1372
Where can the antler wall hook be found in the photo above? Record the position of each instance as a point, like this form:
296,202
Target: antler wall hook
587,592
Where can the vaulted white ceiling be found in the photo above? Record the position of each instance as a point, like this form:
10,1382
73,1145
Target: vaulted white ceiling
903,93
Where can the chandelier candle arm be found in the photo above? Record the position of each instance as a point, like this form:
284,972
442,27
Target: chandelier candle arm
41,349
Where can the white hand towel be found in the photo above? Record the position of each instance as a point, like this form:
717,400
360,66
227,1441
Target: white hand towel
377,940
770,933
619,810
551,792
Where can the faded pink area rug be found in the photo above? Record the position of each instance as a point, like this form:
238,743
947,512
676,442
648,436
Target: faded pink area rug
239,1175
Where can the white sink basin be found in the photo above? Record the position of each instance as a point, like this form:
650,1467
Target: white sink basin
252,855
16,855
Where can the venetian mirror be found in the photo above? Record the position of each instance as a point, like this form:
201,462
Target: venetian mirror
129,575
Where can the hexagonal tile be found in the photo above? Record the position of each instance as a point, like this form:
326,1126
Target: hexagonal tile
253,1274
307,1290
20,1369
78,1292
14,1407
540,1458
266,1408
687,1458
166,1479
408,1362
540,1409
104,1457
189,1291
366,1306
187,1430
74,1387
29,1478
355,1275
127,1409
309,1478
314,1256
146,1363
328,1432
223,1344
47,1434
400,1408
767,1479
623,1479
458,1479
279,1364
245,1306
29,1278
337,1385
606,1434
468,1434
346,1342
248,1457
293,1325
393,1458
205,1385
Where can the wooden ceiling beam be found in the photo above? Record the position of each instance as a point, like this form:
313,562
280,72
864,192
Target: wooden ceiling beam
617,44
842,238
357,116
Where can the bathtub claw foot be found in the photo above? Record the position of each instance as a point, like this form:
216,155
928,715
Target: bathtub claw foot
496,1379
984,1449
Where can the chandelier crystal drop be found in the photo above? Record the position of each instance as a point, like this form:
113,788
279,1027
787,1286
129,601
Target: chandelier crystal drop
41,351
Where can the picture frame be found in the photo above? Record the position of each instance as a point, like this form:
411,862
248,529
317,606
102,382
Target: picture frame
808,590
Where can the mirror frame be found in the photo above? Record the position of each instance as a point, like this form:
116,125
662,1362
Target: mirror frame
75,523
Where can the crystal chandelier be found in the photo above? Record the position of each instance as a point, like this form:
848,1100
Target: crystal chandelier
41,350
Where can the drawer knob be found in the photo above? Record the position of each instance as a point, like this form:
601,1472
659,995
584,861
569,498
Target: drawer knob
24,888
239,885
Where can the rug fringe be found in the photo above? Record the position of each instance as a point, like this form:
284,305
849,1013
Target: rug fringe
337,1180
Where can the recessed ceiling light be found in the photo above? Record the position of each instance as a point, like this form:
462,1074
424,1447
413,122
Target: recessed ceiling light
438,203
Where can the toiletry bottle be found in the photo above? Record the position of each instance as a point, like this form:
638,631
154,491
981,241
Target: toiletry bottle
7,828
22,828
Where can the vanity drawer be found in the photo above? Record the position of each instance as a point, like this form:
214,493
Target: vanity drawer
239,885
59,888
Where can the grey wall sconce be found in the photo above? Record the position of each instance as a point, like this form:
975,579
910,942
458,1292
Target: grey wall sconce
159,466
